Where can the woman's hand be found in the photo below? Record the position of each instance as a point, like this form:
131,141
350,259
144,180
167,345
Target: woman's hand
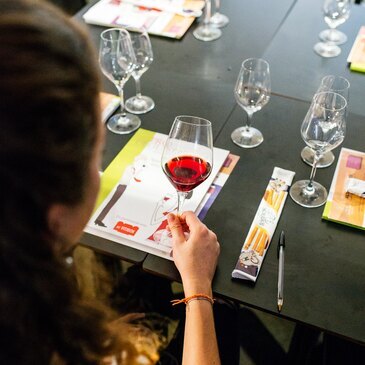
196,256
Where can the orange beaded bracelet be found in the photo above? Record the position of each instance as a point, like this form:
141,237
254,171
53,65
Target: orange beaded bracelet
193,297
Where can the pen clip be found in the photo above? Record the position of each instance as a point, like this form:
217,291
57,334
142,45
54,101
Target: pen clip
281,242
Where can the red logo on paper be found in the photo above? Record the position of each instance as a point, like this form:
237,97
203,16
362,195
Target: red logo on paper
126,228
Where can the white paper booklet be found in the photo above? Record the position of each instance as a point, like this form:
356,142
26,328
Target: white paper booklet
138,196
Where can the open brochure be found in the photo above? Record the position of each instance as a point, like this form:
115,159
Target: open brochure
168,18
346,198
136,196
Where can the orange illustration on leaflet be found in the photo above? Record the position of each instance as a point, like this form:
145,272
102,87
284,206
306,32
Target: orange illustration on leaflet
126,228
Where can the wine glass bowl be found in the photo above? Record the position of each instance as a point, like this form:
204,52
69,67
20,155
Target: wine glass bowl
117,62
252,92
323,129
139,103
339,85
187,158
335,12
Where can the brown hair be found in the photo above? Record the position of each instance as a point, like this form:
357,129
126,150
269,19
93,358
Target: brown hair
48,127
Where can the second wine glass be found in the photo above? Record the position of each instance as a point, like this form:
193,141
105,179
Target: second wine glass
252,92
323,129
117,61
187,158
339,85
140,104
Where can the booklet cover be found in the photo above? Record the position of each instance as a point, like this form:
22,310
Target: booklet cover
346,198
168,18
136,196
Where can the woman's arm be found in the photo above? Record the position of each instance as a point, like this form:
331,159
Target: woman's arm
196,259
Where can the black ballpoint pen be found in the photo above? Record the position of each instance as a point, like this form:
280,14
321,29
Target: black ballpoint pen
281,246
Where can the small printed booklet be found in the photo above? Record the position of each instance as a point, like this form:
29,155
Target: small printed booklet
346,198
168,18
263,226
136,196
108,104
356,57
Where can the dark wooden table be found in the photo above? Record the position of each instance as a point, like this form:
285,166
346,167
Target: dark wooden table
193,77
296,70
325,263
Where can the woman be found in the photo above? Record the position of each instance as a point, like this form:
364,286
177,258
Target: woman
51,139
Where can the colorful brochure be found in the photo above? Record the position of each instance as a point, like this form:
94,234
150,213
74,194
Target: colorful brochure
168,18
356,57
136,196
346,200
263,226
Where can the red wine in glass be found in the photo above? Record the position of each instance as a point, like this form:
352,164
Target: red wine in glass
187,172
187,157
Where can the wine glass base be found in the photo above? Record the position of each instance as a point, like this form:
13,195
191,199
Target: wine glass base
219,20
326,159
139,104
123,123
207,33
308,199
327,50
247,137
335,36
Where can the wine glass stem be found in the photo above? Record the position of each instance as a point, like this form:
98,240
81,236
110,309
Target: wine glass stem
217,5
309,187
121,95
248,121
138,86
181,195
208,12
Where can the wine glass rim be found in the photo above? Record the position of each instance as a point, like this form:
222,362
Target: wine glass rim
120,30
254,59
330,92
347,82
206,122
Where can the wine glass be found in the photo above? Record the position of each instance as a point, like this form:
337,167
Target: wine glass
187,158
323,129
252,92
218,19
117,61
335,13
207,32
339,85
140,104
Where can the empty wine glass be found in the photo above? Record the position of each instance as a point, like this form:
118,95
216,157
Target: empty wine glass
187,158
252,92
117,61
335,13
218,19
339,85
323,129
140,104
207,32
